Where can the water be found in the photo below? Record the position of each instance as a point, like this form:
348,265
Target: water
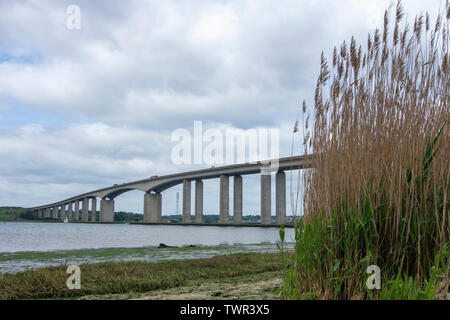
32,245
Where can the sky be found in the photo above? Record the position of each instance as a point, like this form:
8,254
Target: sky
84,108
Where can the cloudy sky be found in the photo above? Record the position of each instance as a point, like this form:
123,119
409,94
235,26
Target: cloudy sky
85,108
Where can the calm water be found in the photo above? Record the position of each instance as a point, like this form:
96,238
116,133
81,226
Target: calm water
23,236
32,245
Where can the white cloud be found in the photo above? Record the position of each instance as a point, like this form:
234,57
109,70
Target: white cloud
216,25
139,69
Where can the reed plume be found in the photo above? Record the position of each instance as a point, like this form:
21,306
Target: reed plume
379,190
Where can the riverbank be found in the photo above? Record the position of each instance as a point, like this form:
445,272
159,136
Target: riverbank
237,276
14,262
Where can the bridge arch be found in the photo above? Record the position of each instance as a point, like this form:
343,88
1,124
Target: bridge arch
152,200
154,186
117,192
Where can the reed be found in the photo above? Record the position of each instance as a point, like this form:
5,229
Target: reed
379,190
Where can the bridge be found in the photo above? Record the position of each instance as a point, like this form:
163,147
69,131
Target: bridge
153,188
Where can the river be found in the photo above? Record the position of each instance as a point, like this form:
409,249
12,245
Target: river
27,245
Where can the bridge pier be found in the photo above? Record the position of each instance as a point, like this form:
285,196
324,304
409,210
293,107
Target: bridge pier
40,213
77,210
198,201
85,210
186,201
224,199
93,209
152,208
266,194
62,213
106,210
47,213
55,212
237,199
280,197
69,210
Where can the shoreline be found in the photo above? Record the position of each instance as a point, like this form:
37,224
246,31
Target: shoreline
253,225
19,261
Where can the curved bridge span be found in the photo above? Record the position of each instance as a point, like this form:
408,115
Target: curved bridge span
153,188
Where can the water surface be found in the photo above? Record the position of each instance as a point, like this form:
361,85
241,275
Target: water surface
25,245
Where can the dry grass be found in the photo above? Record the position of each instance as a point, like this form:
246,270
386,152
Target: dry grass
379,190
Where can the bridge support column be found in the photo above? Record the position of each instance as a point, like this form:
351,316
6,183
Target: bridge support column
93,209
85,210
224,199
77,210
152,208
40,213
62,213
55,212
47,213
186,201
198,201
69,210
237,199
266,194
106,210
280,195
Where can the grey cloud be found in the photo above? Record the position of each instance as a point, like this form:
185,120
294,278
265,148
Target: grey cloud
139,69
154,61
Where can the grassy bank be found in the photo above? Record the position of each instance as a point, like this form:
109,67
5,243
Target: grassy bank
133,277
249,286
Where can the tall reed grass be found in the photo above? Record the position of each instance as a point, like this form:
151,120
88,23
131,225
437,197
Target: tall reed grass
379,190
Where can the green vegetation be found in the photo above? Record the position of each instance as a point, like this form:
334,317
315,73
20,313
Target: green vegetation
211,218
127,216
122,216
15,214
21,214
379,190
132,277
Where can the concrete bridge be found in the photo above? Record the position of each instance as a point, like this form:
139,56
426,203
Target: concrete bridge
153,188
